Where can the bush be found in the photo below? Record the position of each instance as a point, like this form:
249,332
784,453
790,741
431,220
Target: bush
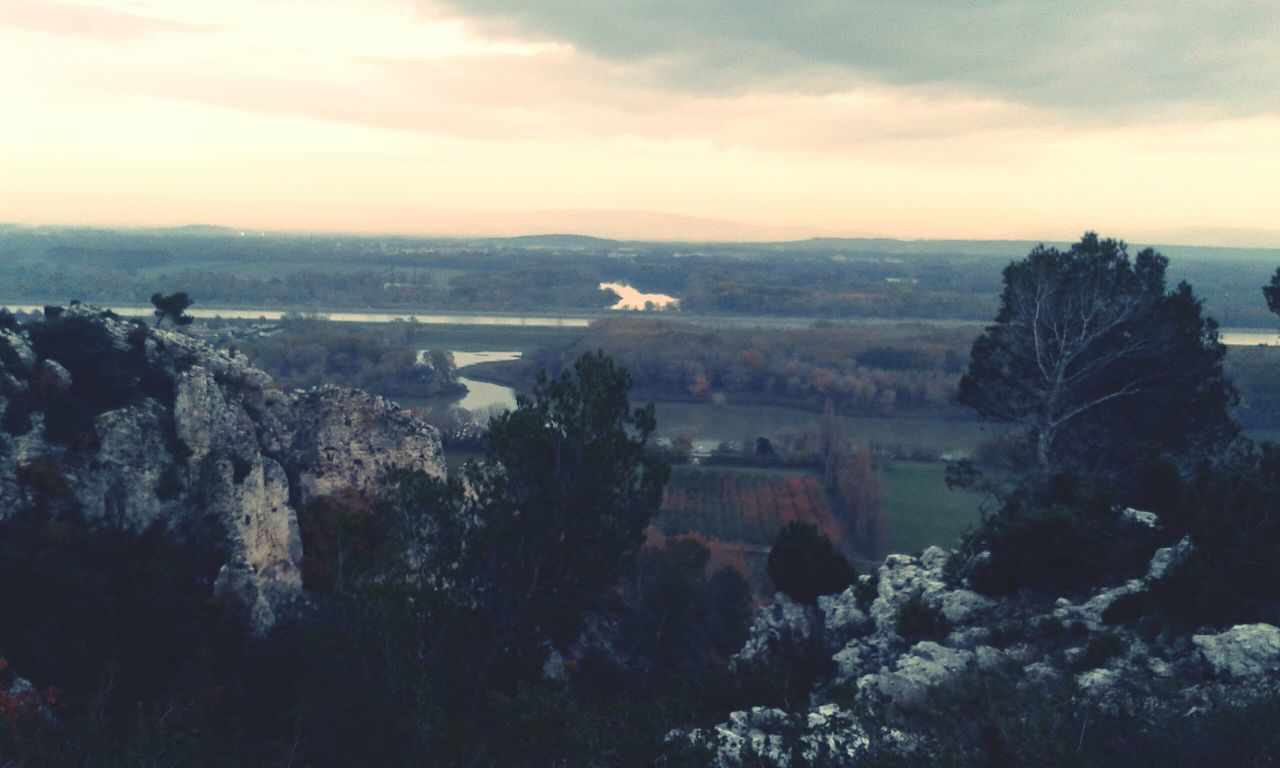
1100,649
17,417
919,619
1056,534
804,564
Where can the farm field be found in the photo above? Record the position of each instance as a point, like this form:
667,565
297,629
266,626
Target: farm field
916,437
751,505
920,510
748,506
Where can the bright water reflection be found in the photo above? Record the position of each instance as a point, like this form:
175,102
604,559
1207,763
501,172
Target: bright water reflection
354,317
483,395
1248,337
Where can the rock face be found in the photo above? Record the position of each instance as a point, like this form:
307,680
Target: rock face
781,626
826,735
1038,640
188,428
1244,651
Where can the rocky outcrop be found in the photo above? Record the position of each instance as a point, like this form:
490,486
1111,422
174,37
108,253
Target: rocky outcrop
826,735
1038,641
184,428
1244,651
781,627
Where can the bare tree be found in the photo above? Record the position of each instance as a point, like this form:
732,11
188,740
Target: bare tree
1086,338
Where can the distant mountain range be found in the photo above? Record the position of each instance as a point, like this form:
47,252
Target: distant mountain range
588,229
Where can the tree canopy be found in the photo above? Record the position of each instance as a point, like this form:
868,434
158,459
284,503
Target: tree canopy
1272,293
173,306
804,564
536,537
1091,353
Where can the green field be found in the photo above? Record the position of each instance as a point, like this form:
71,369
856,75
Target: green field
743,505
919,508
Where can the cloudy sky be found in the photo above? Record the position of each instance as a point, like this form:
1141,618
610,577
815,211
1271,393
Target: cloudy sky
750,118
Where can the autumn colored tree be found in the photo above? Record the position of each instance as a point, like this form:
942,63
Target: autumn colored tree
859,495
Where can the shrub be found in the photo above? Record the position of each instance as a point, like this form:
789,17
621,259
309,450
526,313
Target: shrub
1056,534
17,417
1099,649
919,619
804,564
170,485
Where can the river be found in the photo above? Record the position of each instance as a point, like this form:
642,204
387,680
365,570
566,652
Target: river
483,395
1234,337
355,317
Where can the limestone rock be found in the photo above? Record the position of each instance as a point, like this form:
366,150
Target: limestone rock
19,346
345,438
54,374
842,619
1089,613
211,434
1244,651
1166,558
927,664
826,735
1140,517
781,625
901,577
1098,682
961,606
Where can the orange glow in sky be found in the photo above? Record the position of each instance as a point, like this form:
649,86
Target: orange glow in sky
447,118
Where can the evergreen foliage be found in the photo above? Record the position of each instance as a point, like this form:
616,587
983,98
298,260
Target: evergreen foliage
804,564
173,306
1092,354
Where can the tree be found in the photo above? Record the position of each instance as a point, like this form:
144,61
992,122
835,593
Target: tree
536,537
173,306
1091,354
1272,292
803,564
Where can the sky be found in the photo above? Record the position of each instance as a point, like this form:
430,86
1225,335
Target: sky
660,119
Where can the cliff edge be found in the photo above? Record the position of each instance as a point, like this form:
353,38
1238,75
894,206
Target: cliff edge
121,421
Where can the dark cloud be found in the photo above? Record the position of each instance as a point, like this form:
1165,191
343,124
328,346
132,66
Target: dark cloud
1187,58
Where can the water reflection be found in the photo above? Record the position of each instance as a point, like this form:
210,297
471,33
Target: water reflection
353,317
630,298
1248,337
483,395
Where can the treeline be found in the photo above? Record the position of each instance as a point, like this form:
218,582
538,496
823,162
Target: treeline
304,352
863,370
820,278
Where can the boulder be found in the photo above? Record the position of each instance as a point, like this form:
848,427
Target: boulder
1167,558
780,626
842,619
19,347
1140,517
927,664
902,576
962,606
1244,651
1089,613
